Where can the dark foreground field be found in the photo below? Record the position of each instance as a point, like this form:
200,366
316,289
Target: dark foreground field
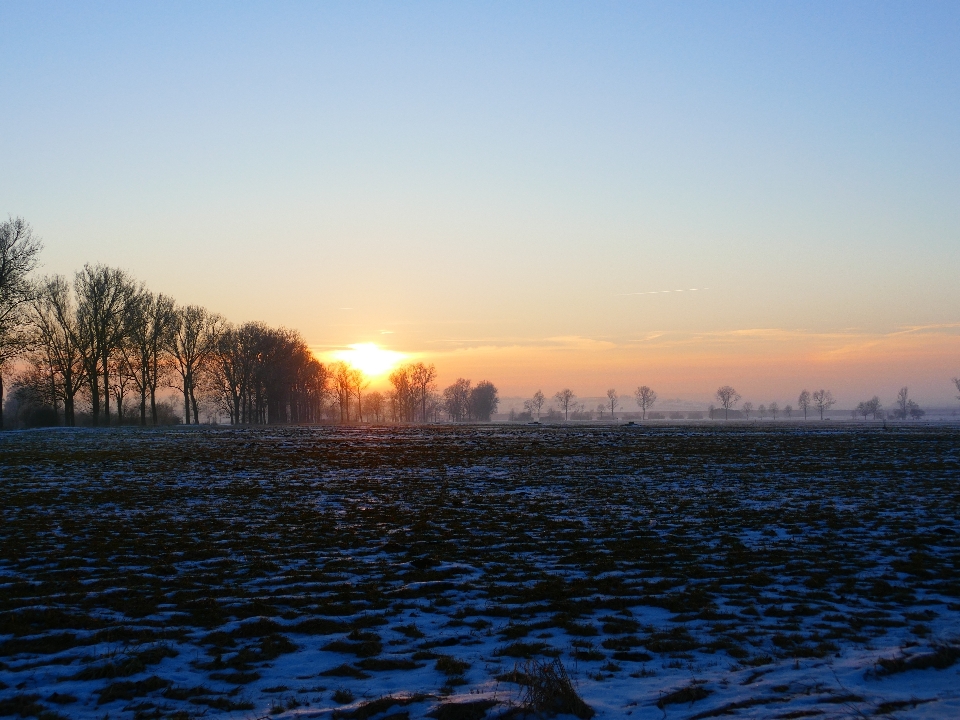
690,572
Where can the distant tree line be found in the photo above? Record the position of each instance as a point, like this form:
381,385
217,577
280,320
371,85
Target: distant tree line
820,401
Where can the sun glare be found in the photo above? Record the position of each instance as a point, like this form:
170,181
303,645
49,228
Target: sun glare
370,359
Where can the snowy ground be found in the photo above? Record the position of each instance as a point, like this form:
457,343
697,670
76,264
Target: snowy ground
686,572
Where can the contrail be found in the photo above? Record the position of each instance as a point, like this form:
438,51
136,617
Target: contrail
657,292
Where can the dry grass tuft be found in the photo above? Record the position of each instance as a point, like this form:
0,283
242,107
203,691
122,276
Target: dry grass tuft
547,688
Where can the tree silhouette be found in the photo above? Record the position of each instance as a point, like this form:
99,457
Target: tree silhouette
483,401
535,404
646,397
727,397
456,400
614,401
564,398
803,402
823,400
19,248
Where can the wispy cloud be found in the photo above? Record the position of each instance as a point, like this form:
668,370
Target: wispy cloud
661,292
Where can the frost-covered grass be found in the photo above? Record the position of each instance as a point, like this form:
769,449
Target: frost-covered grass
370,573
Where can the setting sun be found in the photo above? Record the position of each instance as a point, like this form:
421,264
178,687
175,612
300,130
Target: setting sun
370,359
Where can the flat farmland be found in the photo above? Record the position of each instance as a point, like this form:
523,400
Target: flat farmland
695,571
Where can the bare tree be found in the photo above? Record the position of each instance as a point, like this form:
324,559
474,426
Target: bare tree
646,397
54,318
456,399
376,403
343,388
870,407
483,401
150,327
19,248
535,404
803,402
774,408
403,398
727,397
762,410
823,400
422,380
903,403
232,371
360,383
956,381
104,297
747,409
788,410
121,379
614,400
191,345
564,398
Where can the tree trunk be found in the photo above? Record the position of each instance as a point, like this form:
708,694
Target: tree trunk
153,404
143,406
95,398
186,399
1,400
196,413
106,391
68,416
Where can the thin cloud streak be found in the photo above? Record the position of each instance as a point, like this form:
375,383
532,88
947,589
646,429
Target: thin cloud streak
660,292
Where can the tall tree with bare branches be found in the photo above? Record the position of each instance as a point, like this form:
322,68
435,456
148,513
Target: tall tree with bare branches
19,248
823,400
403,398
535,404
104,297
646,397
614,400
360,383
727,397
343,380
191,345
422,379
456,399
564,398
151,324
54,317
803,402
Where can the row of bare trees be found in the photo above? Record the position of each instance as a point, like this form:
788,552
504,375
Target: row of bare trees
567,404
107,337
106,343
413,396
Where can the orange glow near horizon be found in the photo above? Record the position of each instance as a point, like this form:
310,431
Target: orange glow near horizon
370,359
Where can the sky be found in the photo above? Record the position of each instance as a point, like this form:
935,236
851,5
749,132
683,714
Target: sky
507,189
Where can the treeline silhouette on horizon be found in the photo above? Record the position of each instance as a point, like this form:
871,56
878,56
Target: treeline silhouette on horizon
102,349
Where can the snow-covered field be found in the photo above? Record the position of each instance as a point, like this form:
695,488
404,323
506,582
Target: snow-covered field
688,572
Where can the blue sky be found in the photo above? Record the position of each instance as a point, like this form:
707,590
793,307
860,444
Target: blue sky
468,177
